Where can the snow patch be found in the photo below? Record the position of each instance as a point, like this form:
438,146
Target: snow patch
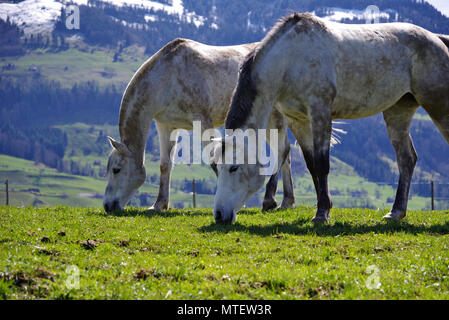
340,14
40,16
176,9
32,16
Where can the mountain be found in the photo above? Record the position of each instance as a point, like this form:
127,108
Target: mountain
52,76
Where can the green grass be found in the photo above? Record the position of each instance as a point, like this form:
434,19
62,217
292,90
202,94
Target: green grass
183,254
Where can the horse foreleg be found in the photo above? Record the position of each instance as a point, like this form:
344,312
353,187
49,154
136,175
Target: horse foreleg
206,124
398,119
166,165
321,124
303,134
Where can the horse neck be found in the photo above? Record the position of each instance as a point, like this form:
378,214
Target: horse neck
134,125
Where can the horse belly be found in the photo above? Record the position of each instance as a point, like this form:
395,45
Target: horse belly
349,109
369,94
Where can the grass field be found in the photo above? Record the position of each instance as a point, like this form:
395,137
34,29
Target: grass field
73,253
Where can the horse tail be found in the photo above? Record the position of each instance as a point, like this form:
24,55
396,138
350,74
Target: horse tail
444,38
336,133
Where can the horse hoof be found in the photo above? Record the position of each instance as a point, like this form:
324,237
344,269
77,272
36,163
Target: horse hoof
320,219
288,204
269,206
395,215
156,207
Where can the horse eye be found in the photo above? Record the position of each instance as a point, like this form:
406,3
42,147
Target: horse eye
233,169
115,170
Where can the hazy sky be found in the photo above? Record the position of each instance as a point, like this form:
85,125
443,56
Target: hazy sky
441,5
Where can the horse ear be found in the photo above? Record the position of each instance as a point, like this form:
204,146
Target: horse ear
120,147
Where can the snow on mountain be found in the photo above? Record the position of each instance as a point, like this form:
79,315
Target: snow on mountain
32,16
340,14
176,9
39,16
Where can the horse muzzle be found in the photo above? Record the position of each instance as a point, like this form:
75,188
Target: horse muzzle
112,206
224,217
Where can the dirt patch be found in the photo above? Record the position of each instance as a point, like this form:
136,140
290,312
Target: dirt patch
45,251
144,274
89,244
45,240
123,243
44,274
194,253
150,249
19,279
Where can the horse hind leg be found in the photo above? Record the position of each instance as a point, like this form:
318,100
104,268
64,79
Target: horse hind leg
440,117
398,119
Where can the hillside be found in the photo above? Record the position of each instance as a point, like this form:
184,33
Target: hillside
56,85
37,185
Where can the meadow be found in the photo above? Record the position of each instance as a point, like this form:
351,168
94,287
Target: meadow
83,253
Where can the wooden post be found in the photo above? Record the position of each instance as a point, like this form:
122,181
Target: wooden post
7,192
433,195
194,195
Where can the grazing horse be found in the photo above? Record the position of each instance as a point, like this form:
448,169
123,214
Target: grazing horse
315,71
183,82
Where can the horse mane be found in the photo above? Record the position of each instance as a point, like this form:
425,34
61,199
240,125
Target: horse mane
245,92
126,107
285,24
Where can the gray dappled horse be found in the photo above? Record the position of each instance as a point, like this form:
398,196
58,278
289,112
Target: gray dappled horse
315,71
183,82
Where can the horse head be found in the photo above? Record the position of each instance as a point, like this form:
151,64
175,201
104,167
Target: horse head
237,180
125,175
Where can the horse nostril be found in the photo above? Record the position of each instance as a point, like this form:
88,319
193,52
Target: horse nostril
106,208
115,205
218,215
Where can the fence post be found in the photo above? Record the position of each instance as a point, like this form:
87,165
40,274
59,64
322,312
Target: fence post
194,195
433,195
7,192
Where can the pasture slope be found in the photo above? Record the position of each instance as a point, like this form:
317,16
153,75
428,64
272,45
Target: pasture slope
183,254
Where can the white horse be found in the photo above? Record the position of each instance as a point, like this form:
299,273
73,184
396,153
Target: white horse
315,71
183,82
